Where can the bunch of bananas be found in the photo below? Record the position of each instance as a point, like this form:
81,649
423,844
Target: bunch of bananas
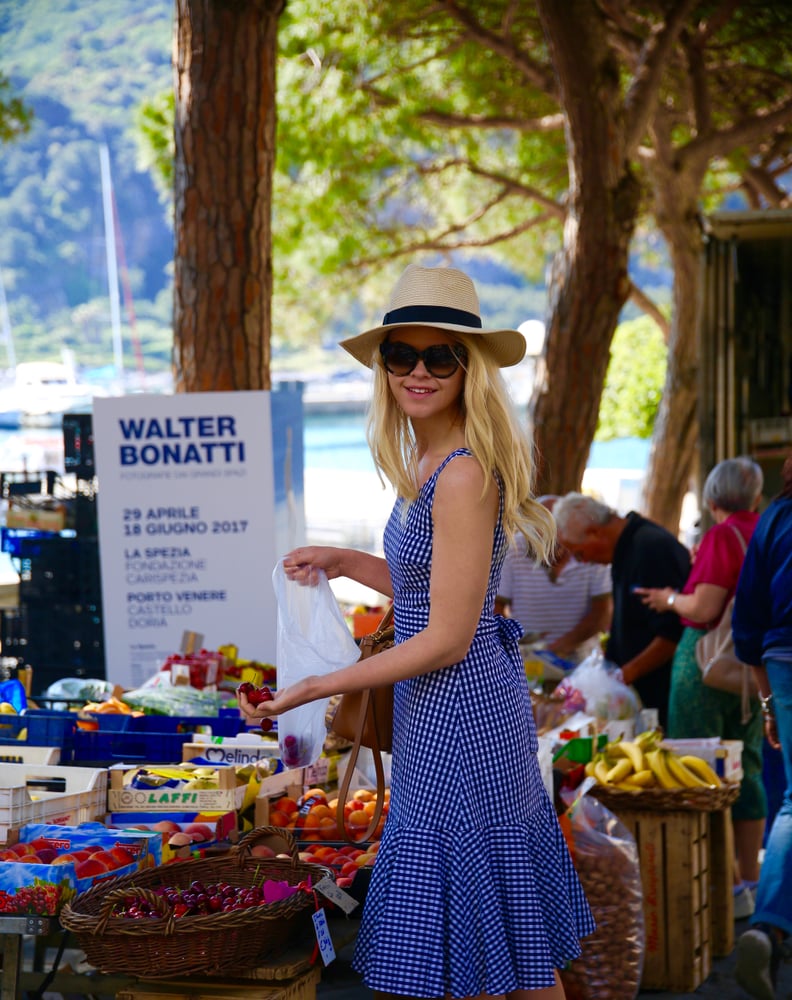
644,763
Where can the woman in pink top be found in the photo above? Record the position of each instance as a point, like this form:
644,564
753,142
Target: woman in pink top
732,493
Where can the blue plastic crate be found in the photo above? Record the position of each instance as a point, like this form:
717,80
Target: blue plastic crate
104,747
221,725
44,729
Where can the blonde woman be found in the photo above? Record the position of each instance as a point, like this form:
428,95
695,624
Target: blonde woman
474,893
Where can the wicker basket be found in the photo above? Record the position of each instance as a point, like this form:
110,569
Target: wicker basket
160,947
667,799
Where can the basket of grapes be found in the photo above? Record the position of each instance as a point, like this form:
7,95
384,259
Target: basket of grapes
209,915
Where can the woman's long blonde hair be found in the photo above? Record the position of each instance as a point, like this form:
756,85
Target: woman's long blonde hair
492,434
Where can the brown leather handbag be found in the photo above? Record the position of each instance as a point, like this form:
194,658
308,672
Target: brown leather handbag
366,718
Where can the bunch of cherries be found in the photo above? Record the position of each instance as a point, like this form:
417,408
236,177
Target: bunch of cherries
196,900
257,695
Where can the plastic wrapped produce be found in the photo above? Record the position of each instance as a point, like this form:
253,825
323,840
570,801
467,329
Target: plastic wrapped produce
606,859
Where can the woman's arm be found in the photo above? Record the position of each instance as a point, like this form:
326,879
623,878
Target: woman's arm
461,555
704,605
362,567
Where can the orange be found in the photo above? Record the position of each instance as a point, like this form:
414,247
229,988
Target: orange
321,811
277,818
286,805
363,795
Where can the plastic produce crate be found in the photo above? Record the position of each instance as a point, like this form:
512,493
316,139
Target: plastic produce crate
44,729
31,793
145,739
97,748
228,723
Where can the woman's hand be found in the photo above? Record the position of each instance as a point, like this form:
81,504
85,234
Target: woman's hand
301,565
290,697
771,731
655,598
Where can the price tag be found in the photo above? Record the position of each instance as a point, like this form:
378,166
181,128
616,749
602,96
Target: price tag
316,774
323,939
331,891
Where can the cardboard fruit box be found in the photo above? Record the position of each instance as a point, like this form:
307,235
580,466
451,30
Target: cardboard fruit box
243,749
178,788
45,793
199,830
724,756
44,866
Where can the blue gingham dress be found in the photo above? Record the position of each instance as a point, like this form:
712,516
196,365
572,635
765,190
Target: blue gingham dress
474,890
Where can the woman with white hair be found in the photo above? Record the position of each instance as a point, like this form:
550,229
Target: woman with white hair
732,492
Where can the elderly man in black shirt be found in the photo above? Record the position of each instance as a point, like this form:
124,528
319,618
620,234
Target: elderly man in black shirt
641,554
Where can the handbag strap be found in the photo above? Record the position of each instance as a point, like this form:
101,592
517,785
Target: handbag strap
739,534
352,759
379,772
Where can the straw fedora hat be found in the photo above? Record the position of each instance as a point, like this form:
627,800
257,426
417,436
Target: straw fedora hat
441,297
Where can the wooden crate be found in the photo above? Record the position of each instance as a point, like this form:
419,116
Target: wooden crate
302,987
674,856
721,882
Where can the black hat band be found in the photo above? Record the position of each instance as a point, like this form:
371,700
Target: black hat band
432,314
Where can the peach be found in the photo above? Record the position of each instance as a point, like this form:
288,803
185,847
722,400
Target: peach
166,826
122,856
199,832
106,858
89,868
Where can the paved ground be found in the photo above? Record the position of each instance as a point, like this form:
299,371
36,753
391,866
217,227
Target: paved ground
339,982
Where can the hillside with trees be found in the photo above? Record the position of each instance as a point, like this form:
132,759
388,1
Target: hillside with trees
83,69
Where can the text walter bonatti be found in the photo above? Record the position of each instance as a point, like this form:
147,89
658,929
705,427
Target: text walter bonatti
203,440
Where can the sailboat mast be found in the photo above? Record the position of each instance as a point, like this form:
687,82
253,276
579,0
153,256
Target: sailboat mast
112,265
5,323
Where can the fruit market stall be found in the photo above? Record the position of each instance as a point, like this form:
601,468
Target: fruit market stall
202,811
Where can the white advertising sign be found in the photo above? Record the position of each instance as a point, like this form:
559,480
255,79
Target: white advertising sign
188,531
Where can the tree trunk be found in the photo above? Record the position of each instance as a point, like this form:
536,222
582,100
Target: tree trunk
225,152
590,282
675,440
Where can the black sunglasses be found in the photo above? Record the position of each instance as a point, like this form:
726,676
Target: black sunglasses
440,360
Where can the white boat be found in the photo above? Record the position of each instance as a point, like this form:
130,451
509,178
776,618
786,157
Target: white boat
41,392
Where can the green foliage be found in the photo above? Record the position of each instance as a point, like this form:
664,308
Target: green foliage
83,67
15,115
634,383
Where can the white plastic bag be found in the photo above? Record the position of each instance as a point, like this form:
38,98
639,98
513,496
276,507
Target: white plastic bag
312,639
596,686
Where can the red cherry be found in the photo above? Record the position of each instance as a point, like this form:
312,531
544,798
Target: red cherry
255,695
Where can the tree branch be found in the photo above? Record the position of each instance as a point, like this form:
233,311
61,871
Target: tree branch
761,183
540,76
650,307
703,148
437,243
509,184
641,97
547,123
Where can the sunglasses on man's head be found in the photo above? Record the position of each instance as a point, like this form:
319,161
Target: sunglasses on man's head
440,360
